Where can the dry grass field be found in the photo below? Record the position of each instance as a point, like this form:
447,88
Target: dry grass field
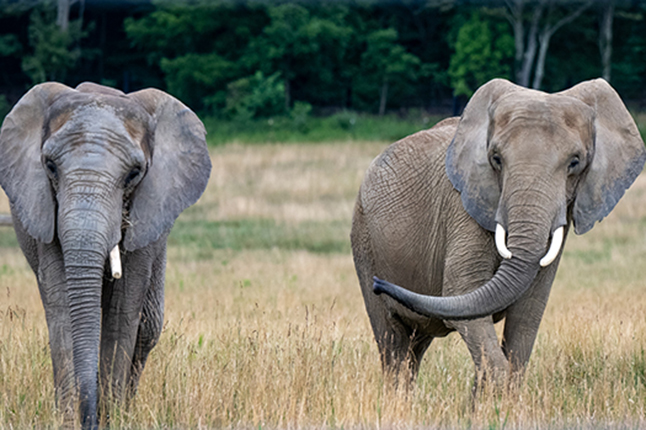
265,326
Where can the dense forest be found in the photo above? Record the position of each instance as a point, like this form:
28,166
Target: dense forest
257,59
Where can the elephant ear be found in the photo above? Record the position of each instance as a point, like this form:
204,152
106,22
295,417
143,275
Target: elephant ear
21,172
619,154
178,171
467,163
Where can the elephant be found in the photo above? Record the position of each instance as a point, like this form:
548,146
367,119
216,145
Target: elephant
95,180
460,226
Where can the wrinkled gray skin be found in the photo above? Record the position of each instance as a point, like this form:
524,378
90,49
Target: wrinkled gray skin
86,169
429,203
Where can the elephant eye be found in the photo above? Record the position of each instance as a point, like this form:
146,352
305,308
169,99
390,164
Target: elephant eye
573,163
134,173
496,161
51,167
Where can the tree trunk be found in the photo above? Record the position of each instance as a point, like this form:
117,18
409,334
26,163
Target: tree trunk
605,38
515,18
546,34
384,98
544,42
288,95
63,14
530,52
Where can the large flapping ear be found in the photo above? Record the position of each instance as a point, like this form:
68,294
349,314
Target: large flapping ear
619,154
467,164
21,172
178,172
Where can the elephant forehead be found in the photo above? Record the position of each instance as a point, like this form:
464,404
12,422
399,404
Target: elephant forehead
549,110
91,125
92,115
559,119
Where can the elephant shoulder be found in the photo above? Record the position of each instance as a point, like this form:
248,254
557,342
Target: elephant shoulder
418,154
411,168
446,126
433,141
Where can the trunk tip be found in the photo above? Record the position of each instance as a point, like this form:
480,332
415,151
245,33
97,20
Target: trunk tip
380,286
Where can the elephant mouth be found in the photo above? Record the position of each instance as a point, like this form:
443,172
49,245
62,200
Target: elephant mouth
548,258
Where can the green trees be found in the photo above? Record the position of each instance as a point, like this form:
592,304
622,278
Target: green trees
54,50
300,45
483,51
197,46
250,59
384,62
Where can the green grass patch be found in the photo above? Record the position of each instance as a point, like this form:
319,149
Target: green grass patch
591,256
343,126
8,238
246,234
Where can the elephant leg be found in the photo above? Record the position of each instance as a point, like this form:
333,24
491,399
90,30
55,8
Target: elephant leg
482,342
122,307
524,317
53,293
46,260
467,268
152,319
401,348
419,345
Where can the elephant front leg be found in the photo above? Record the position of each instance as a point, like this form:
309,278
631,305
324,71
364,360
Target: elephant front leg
151,322
482,342
470,264
53,293
122,304
126,308
524,317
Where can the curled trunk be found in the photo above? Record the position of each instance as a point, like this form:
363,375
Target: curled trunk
529,234
511,281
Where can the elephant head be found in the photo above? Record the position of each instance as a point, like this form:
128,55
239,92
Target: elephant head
526,163
91,168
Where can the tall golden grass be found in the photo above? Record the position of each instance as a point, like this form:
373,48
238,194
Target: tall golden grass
276,338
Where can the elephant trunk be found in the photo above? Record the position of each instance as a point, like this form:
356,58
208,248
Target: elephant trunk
511,281
530,232
86,234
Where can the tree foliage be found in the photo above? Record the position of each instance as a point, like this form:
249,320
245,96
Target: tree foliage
250,59
53,51
483,50
385,61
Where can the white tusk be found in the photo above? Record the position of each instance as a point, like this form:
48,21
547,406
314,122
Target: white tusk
115,262
555,247
500,242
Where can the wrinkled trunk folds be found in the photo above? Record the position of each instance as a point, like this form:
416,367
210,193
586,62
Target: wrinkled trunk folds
511,281
84,261
85,234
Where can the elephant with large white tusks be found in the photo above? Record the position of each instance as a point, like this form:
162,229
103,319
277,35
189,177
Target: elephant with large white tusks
96,179
462,225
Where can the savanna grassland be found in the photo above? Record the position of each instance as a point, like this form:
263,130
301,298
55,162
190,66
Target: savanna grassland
265,326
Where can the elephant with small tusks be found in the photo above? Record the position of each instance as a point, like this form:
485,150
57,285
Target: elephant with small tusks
95,180
462,225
